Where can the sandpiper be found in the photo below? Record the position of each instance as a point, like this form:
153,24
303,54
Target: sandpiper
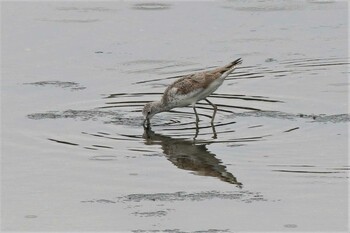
188,90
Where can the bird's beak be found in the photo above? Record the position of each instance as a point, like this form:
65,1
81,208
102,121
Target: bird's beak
146,123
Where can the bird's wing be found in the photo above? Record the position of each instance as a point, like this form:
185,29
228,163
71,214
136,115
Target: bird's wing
192,82
187,85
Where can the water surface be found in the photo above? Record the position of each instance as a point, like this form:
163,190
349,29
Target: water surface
75,157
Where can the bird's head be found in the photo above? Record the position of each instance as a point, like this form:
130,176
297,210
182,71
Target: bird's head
149,110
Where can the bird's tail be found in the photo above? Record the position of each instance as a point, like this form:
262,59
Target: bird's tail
229,68
235,62
232,65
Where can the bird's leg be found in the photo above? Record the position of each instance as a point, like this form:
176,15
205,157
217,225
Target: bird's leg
197,120
195,112
215,136
215,108
197,131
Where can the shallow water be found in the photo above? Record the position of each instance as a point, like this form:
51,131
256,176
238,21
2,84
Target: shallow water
75,156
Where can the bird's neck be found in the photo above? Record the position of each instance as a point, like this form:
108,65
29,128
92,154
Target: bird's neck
161,106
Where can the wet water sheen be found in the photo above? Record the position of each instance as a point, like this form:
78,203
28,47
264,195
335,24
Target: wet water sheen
75,156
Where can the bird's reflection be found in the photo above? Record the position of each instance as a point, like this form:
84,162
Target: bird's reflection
189,156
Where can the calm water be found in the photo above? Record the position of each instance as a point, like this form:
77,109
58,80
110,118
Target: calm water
75,156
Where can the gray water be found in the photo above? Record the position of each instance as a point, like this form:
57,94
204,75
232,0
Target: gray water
75,157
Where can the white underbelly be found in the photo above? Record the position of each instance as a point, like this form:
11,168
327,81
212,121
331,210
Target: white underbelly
209,90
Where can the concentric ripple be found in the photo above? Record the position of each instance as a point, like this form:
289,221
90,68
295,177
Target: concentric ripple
241,119
124,108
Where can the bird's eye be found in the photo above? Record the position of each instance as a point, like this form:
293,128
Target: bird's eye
149,112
